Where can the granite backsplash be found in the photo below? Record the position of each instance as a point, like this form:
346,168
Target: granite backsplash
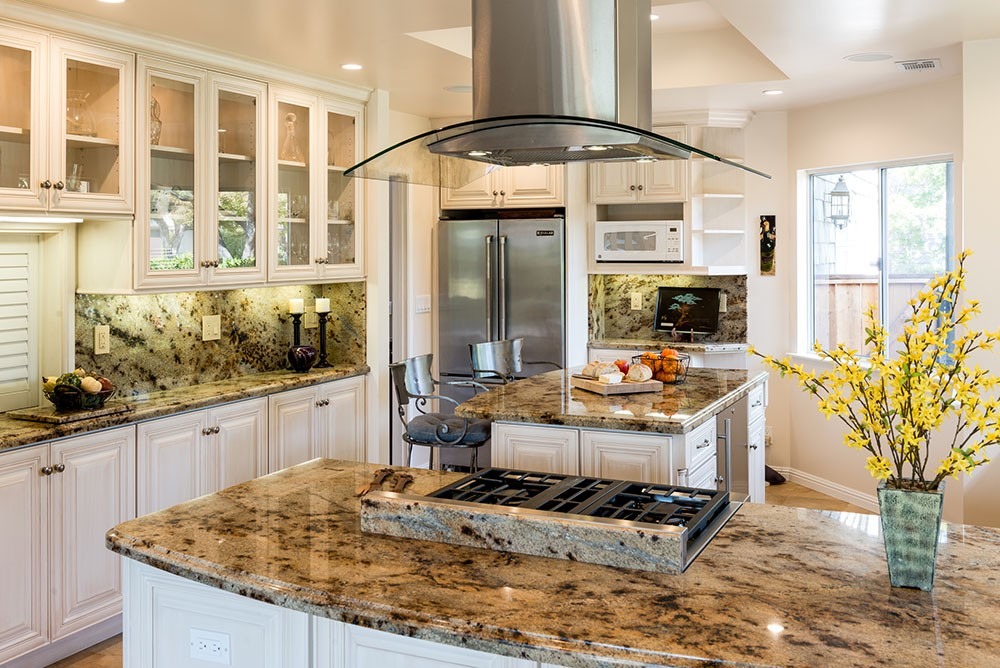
156,339
611,315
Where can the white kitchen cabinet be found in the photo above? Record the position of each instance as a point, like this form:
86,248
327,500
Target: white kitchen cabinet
326,420
696,455
59,499
185,456
66,127
514,187
718,228
632,182
625,456
200,177
318,233
536,448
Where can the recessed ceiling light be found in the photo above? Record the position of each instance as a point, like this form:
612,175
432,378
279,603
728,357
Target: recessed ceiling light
351,66
869,57
773,91
459,88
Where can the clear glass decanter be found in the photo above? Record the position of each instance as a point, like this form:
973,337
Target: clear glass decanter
79,118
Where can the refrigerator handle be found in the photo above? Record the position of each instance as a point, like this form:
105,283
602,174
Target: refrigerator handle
502,289
489,287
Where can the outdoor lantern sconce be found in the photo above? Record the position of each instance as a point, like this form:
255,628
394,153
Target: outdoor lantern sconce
838,205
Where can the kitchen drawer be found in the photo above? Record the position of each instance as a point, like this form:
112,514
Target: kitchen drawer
699,445
703,476
756,402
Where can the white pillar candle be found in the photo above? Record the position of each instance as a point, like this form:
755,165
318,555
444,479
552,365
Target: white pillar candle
322,305
296,306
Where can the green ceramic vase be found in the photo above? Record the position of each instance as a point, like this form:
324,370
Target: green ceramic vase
911,521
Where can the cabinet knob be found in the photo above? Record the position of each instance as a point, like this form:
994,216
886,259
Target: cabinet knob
215,263
46,184
323,402
46,470
59,185
640,186
216,429
321,260
719,479
207,431
206,263
495,193
503,194
631,187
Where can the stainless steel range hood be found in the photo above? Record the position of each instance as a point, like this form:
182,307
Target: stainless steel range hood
554,81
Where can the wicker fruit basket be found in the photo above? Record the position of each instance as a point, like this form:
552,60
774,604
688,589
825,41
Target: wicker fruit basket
667,368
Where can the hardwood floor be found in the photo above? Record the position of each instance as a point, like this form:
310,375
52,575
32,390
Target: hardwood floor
108,654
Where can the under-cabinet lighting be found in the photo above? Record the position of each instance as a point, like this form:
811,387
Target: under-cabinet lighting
40,219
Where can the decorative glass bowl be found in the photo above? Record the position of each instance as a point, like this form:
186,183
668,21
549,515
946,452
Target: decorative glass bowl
69,398
666,368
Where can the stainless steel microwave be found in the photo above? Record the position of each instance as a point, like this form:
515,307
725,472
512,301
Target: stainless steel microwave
639,241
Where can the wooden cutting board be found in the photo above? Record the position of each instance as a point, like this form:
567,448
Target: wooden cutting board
593,385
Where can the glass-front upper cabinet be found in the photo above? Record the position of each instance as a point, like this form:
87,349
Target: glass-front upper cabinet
236,241
317,234
66,121
343,236
171,174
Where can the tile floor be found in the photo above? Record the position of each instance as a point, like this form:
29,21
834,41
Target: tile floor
108,654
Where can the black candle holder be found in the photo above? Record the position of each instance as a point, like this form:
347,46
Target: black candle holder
300,358
322,363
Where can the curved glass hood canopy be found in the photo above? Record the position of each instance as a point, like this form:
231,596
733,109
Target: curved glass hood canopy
553,81
458,154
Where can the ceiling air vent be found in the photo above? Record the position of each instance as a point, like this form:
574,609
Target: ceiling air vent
919,65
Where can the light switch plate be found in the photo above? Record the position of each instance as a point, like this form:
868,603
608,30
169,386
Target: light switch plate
102,340
723,303
211,327
423,304
636,301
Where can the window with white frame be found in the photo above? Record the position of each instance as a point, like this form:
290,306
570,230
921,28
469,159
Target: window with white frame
878,234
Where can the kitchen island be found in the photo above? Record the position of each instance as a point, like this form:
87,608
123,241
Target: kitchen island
279,568
543,423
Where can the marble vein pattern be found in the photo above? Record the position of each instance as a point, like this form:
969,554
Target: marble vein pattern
156,338
15,433
776,587
549,399
611,315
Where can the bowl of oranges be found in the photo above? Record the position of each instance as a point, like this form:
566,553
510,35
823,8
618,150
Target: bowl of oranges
668,365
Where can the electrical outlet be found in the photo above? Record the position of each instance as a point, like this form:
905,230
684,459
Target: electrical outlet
636,301
210,646
723,302
102,340
211,327
310,320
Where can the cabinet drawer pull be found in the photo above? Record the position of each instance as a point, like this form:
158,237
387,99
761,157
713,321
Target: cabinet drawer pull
60,468
757,403
704,444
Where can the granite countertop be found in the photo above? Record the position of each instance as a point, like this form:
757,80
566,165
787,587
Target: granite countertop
658,344
17,432
776,587
549,399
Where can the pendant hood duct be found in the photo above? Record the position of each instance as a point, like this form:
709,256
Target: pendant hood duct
554,81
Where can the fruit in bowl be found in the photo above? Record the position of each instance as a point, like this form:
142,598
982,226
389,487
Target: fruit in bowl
668,365
77,390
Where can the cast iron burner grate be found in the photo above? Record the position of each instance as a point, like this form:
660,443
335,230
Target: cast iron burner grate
649,503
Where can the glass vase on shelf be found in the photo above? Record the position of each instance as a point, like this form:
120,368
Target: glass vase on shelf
290,149
79,118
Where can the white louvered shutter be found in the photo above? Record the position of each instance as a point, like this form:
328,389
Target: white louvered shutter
18,322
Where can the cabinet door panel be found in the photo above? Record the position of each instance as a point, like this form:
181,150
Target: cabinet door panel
532,185
482,193
238,451
612,182
293,436
643,458
343,419
547,449
756,444
367,648
170,461
93,492
23,60
23,551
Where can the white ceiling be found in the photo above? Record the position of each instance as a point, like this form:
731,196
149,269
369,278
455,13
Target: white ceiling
707,54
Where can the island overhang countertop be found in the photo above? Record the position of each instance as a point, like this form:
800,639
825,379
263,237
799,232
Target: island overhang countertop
776,587
550,399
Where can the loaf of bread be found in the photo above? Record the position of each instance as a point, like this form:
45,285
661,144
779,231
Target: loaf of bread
595,369
638,373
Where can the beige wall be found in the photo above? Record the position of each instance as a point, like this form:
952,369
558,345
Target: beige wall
981,100
911,123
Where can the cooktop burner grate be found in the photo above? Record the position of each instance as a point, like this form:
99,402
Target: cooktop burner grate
664,505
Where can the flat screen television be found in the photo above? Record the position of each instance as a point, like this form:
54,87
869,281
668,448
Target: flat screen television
687,310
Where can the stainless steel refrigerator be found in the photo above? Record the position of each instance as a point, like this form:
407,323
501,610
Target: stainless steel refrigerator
499,278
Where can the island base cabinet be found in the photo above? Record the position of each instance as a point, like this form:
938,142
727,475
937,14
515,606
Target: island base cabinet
165,614
528,448
638,457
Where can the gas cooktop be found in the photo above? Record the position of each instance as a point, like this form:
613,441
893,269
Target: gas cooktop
640,525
